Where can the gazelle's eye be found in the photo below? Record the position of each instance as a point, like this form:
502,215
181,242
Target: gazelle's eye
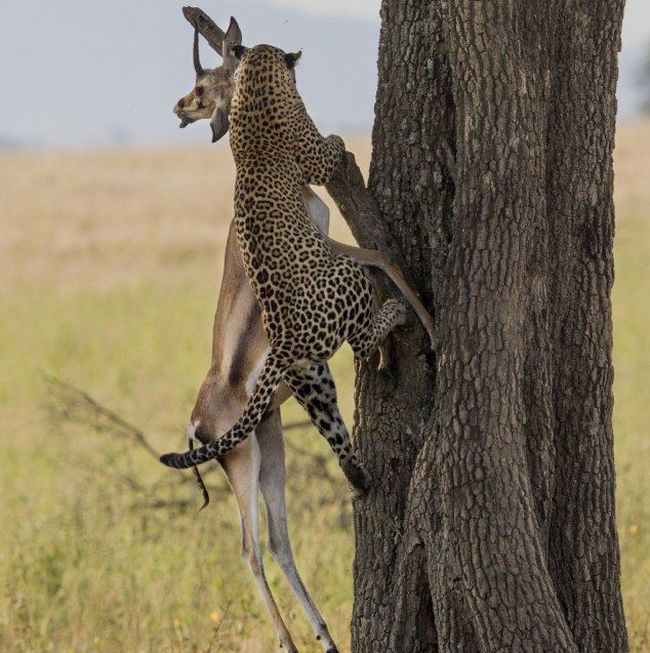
198,91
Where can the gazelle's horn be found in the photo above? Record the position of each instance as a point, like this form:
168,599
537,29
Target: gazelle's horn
197,61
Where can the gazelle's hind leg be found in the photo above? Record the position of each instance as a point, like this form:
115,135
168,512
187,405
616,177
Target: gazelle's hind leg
242,466
365,342
272,482
316,393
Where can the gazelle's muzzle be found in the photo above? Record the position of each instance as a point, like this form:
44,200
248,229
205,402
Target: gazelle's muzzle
180,110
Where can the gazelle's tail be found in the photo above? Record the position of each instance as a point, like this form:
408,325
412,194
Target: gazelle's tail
267,382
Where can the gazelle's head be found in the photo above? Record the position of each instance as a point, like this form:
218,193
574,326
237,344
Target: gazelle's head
210,98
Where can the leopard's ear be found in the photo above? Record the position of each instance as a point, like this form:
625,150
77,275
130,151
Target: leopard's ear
239,50
291,59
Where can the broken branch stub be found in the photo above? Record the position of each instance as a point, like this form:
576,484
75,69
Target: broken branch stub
207,28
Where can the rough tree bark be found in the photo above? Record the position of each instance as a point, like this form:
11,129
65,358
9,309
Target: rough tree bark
490,525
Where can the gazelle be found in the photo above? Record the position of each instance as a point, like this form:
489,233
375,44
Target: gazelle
238,348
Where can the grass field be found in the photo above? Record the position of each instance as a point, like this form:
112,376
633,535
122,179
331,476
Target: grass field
109,265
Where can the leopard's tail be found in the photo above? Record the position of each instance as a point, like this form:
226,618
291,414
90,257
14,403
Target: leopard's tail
269,379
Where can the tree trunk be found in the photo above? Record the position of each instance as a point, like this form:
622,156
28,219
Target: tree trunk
490,525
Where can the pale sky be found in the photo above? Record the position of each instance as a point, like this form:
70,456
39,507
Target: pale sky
344,8
80,73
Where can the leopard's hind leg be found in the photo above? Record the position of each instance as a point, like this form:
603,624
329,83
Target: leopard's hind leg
316,393
364,342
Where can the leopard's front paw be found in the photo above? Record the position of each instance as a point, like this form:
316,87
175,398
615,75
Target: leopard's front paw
397,311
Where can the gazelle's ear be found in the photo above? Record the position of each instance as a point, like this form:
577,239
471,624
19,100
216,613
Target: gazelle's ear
231,38
219,123
292,58
233,33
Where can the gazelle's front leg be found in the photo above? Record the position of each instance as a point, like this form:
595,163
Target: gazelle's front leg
272,483
316,393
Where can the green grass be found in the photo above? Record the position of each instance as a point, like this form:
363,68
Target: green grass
632,451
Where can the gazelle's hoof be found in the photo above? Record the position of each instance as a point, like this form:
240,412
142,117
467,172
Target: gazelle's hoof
290,648
433,341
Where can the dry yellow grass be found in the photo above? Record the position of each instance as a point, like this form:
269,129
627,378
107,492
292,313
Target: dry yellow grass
109,264
107,218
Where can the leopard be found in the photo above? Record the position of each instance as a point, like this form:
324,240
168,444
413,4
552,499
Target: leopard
312,299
